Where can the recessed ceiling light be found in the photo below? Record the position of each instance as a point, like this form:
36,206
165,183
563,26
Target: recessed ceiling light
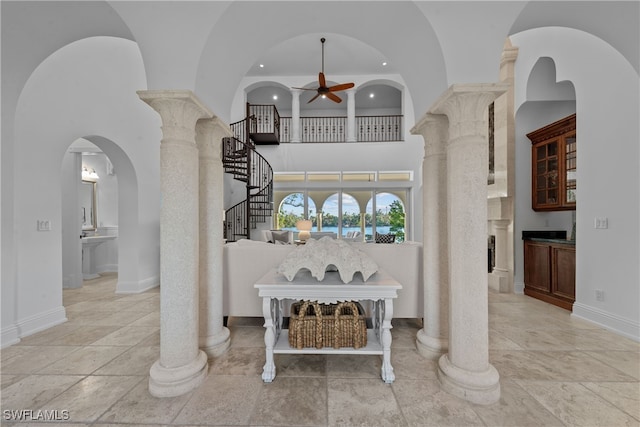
384,64
261,65
275,97
371,95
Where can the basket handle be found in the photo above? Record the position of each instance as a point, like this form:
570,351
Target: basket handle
336,324
301,314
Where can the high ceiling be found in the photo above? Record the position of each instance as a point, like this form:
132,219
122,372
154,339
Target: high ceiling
302,55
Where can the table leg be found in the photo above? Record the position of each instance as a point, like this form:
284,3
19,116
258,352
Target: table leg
269,370
387,370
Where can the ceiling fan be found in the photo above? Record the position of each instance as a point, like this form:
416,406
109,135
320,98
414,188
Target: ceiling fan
322,89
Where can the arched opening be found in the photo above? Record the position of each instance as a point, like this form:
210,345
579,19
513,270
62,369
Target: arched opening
106,221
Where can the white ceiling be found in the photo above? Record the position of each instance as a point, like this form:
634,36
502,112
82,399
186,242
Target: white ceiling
302,55
343,55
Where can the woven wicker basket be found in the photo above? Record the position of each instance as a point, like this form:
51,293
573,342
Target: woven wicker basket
327,325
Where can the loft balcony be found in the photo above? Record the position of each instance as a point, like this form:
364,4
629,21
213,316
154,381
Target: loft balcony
265,126
336,129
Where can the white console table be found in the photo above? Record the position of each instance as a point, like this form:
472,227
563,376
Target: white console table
275,289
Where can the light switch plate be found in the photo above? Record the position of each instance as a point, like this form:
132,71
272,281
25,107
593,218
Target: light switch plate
601,223
44,225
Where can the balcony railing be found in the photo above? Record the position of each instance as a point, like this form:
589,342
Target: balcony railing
334,129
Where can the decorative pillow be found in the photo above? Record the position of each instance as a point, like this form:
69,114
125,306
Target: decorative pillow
280,236
385,238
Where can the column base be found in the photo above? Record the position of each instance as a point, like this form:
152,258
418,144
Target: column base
216,345
171,382
431,347
499,280
482,388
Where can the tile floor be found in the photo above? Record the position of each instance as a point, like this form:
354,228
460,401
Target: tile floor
555,371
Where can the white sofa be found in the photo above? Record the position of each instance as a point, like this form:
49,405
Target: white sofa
246,261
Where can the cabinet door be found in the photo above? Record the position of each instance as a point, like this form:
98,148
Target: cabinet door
546,179
570,159
537,271
563,280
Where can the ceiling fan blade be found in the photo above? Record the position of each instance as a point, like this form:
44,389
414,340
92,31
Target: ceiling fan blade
321,80
304,88
333,97
313,99
344,86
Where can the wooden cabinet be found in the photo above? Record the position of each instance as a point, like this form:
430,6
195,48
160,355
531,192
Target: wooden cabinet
553,165
550,271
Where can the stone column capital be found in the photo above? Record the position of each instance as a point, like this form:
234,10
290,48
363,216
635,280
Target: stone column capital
434,128
179,111
295,92
209,134
465,106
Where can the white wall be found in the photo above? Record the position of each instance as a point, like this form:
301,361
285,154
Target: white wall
86,89
71,224
607,108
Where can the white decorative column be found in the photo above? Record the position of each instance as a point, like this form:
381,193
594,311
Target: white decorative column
432,339
351,115
214,337
182,366
295,115
465,370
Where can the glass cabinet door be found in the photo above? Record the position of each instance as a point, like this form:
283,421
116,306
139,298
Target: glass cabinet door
570,164
546,177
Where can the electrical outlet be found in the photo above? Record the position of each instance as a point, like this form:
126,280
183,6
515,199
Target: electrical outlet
599,295
601,223
44,225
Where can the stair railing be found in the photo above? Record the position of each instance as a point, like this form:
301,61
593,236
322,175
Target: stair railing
245,164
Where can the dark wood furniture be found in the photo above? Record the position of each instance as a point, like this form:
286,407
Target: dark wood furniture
550,271
553,164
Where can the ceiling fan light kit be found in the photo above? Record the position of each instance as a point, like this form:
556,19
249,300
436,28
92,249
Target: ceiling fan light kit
322,89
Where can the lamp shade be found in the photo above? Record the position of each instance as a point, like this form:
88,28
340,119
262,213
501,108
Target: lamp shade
304,227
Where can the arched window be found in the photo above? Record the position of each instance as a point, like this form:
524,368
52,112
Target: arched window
388,218
293,208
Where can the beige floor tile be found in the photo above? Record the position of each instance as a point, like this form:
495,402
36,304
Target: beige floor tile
88,399
127,336
222,400
84,361
7,380
516,408
625,396
86,335
150,319
301,365
36,358
51,336
362,402
575,405
624,361
34,391
134,361
247,336
238,361
424,403
353,366
139,406
409,364
554,366
292,401
403,337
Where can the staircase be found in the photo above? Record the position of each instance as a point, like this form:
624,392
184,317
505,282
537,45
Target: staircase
240,159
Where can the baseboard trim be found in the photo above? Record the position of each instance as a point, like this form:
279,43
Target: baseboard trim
107,268
9,336
617,324
137,287
41,321
518,288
